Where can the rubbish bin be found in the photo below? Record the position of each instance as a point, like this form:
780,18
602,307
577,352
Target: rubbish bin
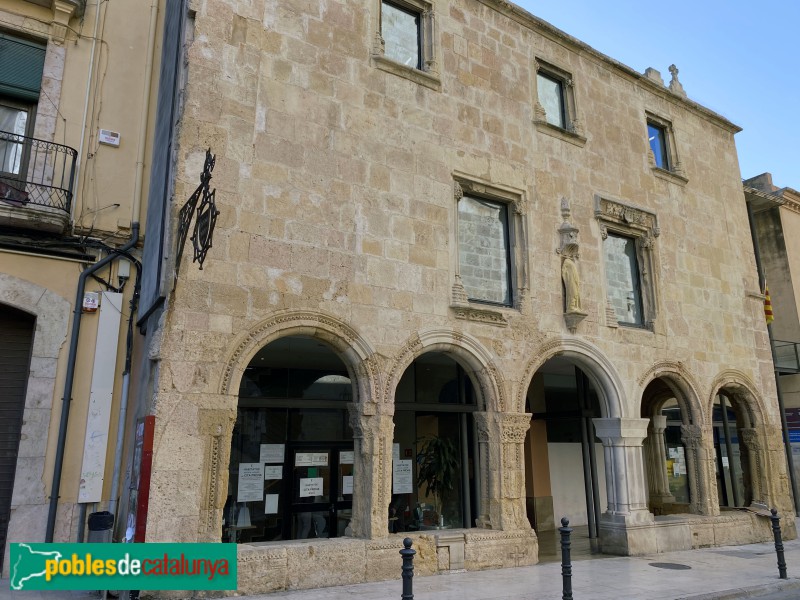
101,525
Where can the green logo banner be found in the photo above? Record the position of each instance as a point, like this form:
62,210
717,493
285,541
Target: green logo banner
123,567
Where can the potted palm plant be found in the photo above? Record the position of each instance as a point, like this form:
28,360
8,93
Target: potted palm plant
438,463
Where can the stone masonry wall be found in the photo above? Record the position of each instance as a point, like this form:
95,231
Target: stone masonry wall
335,184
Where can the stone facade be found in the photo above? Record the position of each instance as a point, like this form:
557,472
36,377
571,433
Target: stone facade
338,175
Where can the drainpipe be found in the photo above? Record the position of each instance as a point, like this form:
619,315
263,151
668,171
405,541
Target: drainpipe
137,199
70,377
135,209
89,77
784,425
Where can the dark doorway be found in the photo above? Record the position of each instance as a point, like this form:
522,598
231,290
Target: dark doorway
16,342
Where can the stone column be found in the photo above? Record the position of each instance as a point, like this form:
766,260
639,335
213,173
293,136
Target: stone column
700,467
753,464
777,477
501,439
488,470
656,455
626,527
513,428
373,432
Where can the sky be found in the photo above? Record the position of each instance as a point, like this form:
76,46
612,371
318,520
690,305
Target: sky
739,58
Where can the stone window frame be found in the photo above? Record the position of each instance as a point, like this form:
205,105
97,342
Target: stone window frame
515,201
627,220
428,75
573,130
673,172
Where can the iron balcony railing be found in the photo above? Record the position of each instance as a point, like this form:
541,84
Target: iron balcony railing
787,356
36,172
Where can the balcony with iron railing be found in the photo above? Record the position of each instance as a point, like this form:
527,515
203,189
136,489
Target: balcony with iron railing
36,182
787,356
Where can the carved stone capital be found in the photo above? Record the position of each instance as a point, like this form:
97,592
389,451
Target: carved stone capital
514,427
751,439
691,435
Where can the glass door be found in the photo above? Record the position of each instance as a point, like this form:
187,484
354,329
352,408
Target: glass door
322,491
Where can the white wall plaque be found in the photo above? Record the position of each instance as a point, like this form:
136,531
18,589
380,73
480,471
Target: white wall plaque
311,459
347,484
273,472
271,504
311,487
271,453
402,476
346,457
251,482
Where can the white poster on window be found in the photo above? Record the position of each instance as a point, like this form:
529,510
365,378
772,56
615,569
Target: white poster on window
311,487
251,482
271,504
395,451
347,484
273,472
402,476
311,459
346,457
271,453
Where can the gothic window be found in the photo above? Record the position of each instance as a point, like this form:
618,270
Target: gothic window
629,235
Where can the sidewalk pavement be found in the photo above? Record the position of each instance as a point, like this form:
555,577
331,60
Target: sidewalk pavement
726,573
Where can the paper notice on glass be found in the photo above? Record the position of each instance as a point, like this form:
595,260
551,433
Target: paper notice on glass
402,477
346,457
271,504
251,482
347,484
681,455
311,487
395,451
311,459
271,453
273,471
725,462
673,453
676,470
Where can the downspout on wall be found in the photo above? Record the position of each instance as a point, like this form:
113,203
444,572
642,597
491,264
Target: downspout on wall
70,376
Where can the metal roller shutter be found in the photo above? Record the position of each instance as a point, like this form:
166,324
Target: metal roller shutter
16,341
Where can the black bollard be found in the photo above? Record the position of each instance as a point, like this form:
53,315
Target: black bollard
776,532
408,570
566,561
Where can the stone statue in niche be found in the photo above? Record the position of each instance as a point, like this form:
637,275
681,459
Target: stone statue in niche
572,285
569,250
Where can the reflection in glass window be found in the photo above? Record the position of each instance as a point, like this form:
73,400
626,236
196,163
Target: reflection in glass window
13,122
434,433
622,274
401,34
657,136
483,250
551,97
292,423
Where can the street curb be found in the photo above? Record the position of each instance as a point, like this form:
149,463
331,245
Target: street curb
747,592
